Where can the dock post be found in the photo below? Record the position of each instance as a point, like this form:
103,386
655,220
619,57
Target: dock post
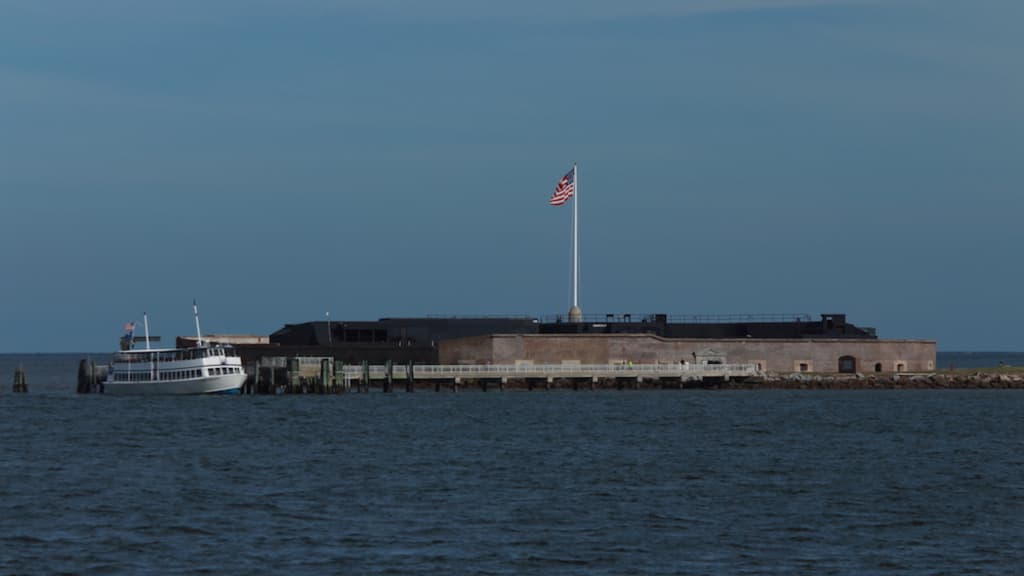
85,377
293,375
272,387
388,375
593,383
325,375
20,385
410,382
252,377
340,384
365,380
529,384
501,386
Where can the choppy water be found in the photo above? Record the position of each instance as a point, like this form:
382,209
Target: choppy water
653,482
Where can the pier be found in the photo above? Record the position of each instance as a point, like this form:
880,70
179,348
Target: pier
325,375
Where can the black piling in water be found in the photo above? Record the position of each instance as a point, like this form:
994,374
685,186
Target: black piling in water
410,382
388,376
20,384
365,381
86,376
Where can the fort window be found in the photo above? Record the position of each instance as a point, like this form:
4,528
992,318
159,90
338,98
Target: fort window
900,366
878,366
804,367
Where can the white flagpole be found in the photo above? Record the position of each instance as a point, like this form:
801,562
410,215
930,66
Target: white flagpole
575,238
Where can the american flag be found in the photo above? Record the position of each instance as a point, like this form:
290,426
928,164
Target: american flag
565,189
129,326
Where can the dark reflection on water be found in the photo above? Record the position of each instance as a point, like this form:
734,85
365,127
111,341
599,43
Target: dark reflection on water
852,482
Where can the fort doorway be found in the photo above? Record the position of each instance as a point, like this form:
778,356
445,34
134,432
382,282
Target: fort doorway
847,365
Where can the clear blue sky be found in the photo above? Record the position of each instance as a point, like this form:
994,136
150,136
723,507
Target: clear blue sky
280,159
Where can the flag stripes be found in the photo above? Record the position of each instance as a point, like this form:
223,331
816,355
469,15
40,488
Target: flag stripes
565,189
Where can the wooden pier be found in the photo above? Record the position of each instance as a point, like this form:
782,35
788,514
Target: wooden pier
325,375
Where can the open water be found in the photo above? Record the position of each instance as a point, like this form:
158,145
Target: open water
632,482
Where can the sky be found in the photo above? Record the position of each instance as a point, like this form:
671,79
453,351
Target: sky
279,161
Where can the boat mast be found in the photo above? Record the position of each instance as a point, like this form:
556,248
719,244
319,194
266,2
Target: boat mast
152,364
199,335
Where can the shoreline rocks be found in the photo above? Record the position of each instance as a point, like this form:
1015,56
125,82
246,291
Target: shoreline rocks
938,380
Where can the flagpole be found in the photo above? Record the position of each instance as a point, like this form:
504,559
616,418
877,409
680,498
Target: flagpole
575,239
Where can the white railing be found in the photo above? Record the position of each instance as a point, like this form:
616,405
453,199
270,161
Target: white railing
429,371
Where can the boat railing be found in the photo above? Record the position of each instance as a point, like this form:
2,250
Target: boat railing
177,355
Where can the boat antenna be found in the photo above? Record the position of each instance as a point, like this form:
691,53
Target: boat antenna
145,323
199,335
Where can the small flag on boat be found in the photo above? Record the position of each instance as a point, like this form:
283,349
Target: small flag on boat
565,189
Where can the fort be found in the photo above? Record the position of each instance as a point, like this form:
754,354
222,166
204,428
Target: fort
748,344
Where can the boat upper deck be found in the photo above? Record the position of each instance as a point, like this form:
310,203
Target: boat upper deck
174,354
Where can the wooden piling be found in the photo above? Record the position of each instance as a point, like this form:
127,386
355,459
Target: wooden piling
294,385
252,377
325,376
85,378
20,383
410,381
388,376
341,384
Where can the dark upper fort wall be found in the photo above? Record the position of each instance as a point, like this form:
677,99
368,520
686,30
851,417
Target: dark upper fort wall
428,331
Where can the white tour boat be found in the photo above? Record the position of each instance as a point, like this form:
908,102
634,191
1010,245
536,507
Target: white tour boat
206,369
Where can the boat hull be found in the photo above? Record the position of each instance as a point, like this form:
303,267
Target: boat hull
222,384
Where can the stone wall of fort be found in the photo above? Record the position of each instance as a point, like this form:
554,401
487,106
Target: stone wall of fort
772,355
